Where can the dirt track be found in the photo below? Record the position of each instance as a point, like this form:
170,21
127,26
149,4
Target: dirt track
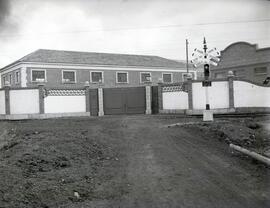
133,161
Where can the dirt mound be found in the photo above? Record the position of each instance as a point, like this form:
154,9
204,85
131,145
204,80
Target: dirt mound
49,169
243,132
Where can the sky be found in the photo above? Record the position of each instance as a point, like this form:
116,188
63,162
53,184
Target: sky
146,27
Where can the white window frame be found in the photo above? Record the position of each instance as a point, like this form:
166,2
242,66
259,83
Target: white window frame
185,73
102,74
167,73
45,78
19,75
122,72
145,73
10,78
67,70
4,79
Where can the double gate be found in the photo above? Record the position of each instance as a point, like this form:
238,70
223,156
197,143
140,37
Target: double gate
130,100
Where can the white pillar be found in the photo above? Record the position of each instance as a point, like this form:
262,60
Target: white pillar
100,102
148,99
23,77
195,75
0,80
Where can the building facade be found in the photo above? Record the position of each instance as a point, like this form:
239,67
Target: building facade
245,60
68,68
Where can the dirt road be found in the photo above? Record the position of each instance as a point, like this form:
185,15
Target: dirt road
149,165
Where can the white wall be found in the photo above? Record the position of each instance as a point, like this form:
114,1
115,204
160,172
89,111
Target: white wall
64,104
24,101
218,95
175,100
250,95
2,102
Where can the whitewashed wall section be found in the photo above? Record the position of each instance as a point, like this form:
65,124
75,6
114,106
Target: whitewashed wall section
2,102
218,95
250,95
24,101
174,97
65,101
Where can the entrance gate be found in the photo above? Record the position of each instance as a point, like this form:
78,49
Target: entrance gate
130,100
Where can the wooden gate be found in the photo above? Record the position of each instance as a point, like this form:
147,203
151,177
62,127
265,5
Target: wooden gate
130,100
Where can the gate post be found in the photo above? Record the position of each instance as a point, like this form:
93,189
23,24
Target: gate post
231,93
100,102
87,97
160,98
190,98
7,98
41,97
148,99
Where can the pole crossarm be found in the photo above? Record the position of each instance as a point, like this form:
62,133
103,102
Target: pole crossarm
206,56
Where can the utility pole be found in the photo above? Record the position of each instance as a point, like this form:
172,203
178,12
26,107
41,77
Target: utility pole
187,54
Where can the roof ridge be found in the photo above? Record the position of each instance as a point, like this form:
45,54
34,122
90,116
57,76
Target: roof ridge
125,54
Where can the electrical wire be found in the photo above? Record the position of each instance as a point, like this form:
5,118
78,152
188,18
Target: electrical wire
137,28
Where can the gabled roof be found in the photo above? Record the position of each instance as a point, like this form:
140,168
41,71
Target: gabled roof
90,58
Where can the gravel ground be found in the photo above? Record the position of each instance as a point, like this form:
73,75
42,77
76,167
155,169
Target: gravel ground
131,161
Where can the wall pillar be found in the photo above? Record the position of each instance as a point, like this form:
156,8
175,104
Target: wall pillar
41,98
87,97
148,100
23,77
231,93
160,98
7,98
190,96
100,102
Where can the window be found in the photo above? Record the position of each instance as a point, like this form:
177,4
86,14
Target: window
121,77
220,75
145,77
17,77
185,76
167,77
10,78
96,76
68,76
5,80
38,75
239,73
260,71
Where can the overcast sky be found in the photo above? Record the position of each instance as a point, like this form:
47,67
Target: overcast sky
152,27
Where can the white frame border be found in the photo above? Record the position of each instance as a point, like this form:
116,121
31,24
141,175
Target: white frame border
45,78
70,82
145,73
10,78
167,73
4,79
19,77
123,72
102,80
184,73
